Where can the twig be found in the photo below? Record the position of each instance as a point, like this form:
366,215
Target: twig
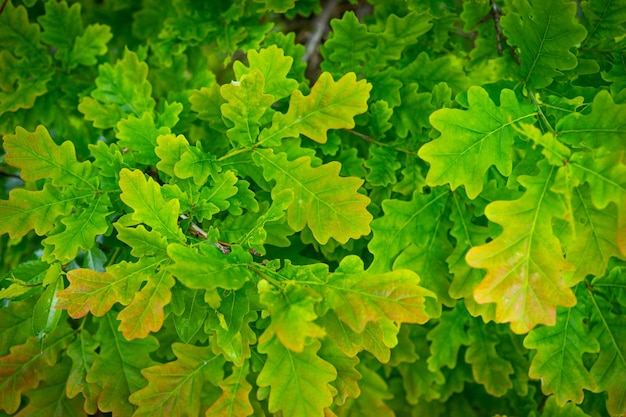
321,26
4,3
496,13
194,228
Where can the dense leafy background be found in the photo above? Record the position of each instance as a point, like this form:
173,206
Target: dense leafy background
423,213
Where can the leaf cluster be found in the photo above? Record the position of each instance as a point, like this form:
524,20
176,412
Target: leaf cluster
433,224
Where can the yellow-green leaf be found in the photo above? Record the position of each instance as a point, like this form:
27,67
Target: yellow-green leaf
525,263
330,105
329,204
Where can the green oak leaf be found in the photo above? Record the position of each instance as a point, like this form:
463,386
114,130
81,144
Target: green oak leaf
298,381
473,140
359,297
604,127
525,263
292,313
404,223
126,359
39,157
234,401
543,32
144,314
330,105
488,367
38,210
174,388
145,198
325,202
139,134
122,90
207,267
245,104
96,292
274,65
560,349
90,44
79,232
609,370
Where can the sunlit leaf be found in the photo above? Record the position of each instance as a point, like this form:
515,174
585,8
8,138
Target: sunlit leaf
329,204
145,198
96,292
209,268
330,105
245,104
144,314
39,157
298,381
525,263
359,297
234,401
473,140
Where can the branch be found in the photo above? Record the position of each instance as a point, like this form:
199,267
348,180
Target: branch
321,24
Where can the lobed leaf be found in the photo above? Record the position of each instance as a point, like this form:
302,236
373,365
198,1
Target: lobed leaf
447,338
196,163
39,157
80,231
473,140
96,292
605,20
488,367
559,359
82,352
231,324
245,105
525,263
126,359
27,210
609,370
234,401
49,399
145,198
61,24
604,127
543,32
347,45
593,241
90,44
208,268
292,312
144,314
298,381
28,364
359,296
274,65
403,223
139,134
465,278
400,33
122,90
329,204
330,105
174,388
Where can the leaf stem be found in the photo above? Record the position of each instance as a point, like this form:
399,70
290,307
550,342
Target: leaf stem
540,112
375,142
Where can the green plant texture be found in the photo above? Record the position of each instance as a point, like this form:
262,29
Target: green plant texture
206,212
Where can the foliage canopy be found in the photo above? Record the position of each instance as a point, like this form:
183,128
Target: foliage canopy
432,221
